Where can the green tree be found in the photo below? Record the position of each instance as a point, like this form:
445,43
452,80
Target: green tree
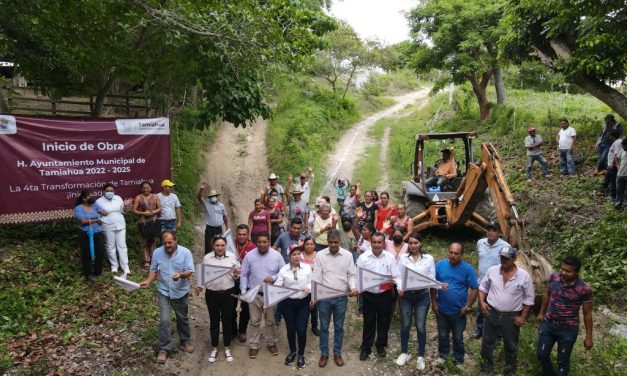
223,48
585,40
458,37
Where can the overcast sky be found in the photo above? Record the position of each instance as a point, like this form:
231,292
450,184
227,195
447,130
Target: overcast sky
376,19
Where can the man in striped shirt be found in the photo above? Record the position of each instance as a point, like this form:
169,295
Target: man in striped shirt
506,297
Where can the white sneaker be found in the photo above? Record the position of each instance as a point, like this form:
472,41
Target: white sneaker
439,361
213,356
228,356
420,363
402,359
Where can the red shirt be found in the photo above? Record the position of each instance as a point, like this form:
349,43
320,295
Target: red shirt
381,215
242,251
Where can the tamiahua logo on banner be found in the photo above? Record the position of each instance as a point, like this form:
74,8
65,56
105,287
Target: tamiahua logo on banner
273,294
412,280
209,273
322,292
47,162
367,279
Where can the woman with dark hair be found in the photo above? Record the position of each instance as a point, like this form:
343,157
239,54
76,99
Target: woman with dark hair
401,219
383,213
295,309
114,228
219,297
415,304
259,221
146,206
307,257
88,214
276,219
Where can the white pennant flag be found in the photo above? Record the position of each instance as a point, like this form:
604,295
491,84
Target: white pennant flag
322,292
273,294
412,280
367,279
230,244
128,286
208,273
250,295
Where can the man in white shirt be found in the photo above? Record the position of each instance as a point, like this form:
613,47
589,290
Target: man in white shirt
621,178
379,300
613,155
566,138
534,153
170,215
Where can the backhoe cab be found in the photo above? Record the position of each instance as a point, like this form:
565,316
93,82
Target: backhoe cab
477,194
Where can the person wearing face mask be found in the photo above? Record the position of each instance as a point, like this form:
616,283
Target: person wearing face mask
349,236
114,228
397,247
216,221
88,214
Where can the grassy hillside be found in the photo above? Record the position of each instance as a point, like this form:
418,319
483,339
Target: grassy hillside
48,312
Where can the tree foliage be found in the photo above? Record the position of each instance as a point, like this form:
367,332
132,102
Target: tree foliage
164,47
458,37
585,40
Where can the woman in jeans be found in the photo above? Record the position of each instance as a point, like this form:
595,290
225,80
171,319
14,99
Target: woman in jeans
88,214
219,297
415,303
296,308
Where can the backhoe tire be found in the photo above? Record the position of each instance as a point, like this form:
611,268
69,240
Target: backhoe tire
415,205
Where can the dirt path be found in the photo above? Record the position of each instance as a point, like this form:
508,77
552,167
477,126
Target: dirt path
348,151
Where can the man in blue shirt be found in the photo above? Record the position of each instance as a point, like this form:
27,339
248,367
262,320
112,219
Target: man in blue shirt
452,303
488,250
172,265
290,239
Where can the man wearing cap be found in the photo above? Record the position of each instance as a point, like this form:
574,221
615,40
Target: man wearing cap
297,206
305,183
506,297
273,183
170,215
216,221
604,142
445,169
532,143
488,250
566,138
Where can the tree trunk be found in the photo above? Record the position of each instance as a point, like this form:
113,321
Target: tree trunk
101,96
479,88
499,85
350,78
4,106
606,94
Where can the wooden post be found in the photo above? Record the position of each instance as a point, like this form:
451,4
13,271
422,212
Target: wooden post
128,109
91,104
54,106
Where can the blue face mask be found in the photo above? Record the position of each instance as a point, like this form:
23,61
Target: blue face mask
109,195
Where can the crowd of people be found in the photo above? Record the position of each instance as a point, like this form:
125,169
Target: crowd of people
289,244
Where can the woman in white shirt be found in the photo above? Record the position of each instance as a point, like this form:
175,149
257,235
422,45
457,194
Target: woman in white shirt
415,303
296,275
114,228
219,297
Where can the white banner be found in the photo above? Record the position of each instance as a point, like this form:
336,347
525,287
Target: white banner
367,279
128,286
412,280
273,294
322,292
208,273
250,295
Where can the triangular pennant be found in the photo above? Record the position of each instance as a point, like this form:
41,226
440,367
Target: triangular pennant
209,273
230,244
436,197
250,295
273,294
322,292
128,286
367,279
412,280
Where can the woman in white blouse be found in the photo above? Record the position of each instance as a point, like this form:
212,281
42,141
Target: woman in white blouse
219,297
114,228
296,275
415,303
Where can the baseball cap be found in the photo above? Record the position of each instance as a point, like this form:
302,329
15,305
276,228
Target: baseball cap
167,183
508,252
493,224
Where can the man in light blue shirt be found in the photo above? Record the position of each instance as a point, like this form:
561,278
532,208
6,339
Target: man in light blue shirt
260,265
488,250
171,265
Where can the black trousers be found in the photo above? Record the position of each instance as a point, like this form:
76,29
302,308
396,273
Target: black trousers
99,252
220,306
210,232
296,313
377,316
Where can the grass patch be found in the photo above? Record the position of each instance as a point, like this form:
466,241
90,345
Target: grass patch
368,168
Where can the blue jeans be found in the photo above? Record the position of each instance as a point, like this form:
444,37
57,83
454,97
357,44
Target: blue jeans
436,181
604,149
567,162
455,325
565,336
414,304
182,321
337,308
541,160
